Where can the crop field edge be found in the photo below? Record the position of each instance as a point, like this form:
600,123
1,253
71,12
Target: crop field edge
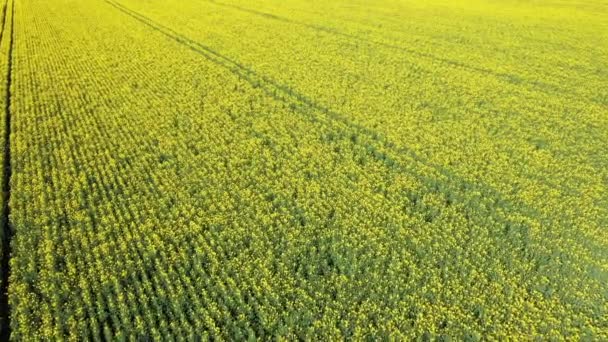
6,176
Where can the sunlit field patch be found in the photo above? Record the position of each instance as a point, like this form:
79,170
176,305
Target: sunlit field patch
325,170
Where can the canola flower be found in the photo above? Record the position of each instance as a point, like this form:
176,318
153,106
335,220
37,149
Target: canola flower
232,170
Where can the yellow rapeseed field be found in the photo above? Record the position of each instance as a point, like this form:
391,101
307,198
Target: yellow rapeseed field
304,170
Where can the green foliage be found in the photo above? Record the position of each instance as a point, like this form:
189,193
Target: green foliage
240,170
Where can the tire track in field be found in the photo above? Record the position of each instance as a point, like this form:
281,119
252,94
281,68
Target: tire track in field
6,186
448,182
506,77
530,84
368,138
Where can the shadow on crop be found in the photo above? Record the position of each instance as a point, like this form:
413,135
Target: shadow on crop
7,232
